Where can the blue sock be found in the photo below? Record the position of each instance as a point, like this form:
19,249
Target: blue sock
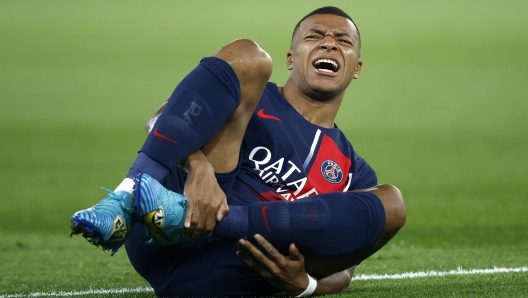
195,112
326,225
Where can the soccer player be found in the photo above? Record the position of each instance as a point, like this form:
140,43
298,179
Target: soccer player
229,140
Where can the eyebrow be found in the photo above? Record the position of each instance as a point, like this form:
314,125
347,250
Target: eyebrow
317,31
341,34
338,34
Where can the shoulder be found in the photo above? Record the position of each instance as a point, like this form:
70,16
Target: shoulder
272,89
271,94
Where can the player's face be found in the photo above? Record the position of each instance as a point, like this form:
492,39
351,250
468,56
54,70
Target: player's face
324,57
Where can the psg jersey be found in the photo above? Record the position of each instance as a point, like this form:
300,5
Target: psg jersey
285,157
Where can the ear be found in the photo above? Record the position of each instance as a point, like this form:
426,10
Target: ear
358,68
289,59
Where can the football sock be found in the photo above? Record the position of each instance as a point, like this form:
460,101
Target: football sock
326,225
195,112
145,164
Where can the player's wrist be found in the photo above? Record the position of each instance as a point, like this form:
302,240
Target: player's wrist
310,289
196,161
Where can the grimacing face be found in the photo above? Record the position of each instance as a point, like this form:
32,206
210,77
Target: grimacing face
324,56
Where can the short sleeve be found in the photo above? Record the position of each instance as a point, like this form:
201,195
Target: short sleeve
364,176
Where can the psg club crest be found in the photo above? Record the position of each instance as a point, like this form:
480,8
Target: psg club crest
331,171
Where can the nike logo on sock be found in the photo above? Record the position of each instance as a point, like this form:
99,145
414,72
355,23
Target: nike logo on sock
265,216
159,135
261,114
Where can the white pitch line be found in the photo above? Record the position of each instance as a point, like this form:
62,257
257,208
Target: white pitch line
81,293
458,271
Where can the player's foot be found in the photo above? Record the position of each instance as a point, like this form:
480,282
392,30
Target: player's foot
161,210
106,224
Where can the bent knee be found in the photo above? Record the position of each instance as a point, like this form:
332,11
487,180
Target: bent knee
249,61
392,200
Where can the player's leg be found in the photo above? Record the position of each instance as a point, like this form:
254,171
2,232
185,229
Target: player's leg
157,263
207,267
178,270
211,106
352,225
395,217
252,67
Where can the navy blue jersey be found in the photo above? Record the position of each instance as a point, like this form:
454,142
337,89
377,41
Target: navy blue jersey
285,157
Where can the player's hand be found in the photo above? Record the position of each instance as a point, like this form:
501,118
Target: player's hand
206,202
284,272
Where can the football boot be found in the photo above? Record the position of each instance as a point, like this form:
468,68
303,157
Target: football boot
161,210
108,223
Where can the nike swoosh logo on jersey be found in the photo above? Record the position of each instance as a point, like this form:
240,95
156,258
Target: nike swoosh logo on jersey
265,216
159,135
261,114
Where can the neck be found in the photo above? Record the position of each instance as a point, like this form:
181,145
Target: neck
320,111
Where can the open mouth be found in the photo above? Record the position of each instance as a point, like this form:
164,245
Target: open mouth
326,65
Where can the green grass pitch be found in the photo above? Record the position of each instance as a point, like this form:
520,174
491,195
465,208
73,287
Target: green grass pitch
439,110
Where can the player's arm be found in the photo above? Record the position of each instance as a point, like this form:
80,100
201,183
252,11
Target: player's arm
335,283
288,272
206,202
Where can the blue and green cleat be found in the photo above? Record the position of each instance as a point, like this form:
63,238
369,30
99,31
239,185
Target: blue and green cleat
161,210
108,223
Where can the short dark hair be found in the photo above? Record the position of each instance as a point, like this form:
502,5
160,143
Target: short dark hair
328,10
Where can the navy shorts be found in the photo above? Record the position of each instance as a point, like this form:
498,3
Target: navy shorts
203,268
